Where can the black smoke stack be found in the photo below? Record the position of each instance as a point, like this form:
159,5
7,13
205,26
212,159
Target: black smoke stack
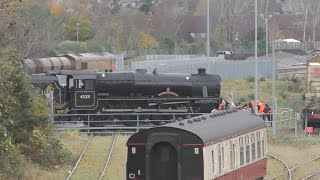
202,71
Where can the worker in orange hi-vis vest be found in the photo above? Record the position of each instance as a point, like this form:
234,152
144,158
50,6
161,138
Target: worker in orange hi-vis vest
261,106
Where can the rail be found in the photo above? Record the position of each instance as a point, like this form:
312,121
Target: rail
295,167
285,165
84,150
312,175
109,157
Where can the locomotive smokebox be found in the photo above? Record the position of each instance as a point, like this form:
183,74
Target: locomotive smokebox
202,71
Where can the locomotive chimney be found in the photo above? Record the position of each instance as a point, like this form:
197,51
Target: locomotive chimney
202,71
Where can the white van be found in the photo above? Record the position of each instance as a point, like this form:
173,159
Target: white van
222,53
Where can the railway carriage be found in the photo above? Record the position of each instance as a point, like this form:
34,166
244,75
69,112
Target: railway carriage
311,110
225,145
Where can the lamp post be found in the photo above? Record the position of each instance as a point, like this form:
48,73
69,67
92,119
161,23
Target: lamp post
256,58
266,19
78,24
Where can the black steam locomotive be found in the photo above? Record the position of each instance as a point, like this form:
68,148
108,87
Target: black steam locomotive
88,92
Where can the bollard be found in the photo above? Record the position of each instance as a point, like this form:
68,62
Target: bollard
297,118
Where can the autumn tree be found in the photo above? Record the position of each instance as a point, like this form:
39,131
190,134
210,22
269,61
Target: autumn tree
24,121
81,25
148,41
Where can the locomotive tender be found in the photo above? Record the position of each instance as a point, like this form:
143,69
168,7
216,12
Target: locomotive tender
87,92
230,144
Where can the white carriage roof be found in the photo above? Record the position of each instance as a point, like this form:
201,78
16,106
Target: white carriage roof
220,125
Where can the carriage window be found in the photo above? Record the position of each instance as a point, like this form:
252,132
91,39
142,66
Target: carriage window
258,145
222,150
247,149
219,158
212,161
71,83
241,151
88,84
231,154
263,141
253,147
165,154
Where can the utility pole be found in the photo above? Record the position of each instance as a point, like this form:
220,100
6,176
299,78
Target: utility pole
208,25
266,19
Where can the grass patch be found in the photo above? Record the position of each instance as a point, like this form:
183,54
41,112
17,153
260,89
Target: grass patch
93,161
287,92
293,151
75,143
117,166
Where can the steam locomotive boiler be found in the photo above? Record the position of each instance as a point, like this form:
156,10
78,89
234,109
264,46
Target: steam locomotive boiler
131,92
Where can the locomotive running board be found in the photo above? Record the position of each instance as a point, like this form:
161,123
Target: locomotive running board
146,110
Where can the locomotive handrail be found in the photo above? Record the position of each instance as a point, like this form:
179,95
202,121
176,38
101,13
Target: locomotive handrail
134,113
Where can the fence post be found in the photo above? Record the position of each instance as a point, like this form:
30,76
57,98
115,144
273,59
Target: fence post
296,124
88,123
138,123
275,117
306,124
174,117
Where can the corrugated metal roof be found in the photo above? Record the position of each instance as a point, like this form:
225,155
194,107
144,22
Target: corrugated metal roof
211,127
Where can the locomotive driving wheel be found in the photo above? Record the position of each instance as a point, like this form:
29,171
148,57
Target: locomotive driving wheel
101,120
128,120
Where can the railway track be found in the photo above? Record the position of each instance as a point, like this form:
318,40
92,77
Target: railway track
292,70
307,166
292,171
285,166
109,157
97,152
80,157
312,176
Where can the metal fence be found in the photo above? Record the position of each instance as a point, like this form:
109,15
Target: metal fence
138,121
287,120
306,46
227,69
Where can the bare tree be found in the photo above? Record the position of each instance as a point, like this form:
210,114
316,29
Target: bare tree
301,10
170,17
315,17
230,13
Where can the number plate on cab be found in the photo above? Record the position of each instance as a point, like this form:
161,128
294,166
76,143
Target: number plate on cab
84,98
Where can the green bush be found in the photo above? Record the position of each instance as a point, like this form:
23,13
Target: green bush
251,96
98,46
68,47
242,99
262,79
45,150
283,94
250,79
9,157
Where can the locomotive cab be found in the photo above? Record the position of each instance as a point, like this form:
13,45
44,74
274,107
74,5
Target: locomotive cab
83,91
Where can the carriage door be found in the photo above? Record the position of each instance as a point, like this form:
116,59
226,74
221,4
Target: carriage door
164,162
